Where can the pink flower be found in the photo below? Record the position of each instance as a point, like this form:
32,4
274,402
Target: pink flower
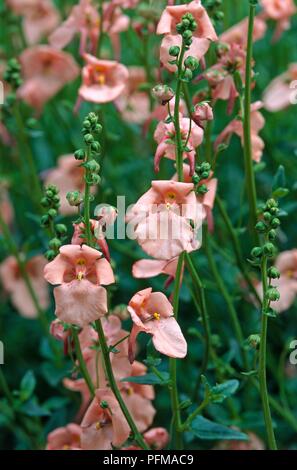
79,272
152,313
67,438
286,263
156,438
204,33
280,94
133,103
84,20
103,80
45,70
237,34
280,11
67,176
79,386
104,424
236,127
40,18
165,219
147,268
165,137
15,285
202,113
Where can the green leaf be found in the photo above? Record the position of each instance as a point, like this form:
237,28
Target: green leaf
51,374
28,385
32,408
280,192
149,379
279,179
222,391
208,430
259,167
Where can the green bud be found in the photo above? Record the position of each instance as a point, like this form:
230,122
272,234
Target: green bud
44,221
193,26
52,213
79,154
104,404
205,175
272,235
93,166
202,189
44,202
192,63
261,227
87,124
95,146
271,203
267,216
94,178
188,75
257,252
74,198
254,341
195,178
93,118
174,51
273,273
98,128
89,139
219,15
50,255
269,249
275,223
53,188
49,194
61,229
187,35
55,244
180,28
186,23
273,294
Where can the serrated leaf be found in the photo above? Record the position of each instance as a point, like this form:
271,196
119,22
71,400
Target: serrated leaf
222,391
208,430
149,379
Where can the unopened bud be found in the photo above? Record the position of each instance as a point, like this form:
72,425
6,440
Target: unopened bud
163,93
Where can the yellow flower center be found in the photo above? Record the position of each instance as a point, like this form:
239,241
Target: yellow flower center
80,262
156,316
80,275
290,273
66,447
98,425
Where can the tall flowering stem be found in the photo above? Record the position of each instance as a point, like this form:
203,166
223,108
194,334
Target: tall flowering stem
113,385
176,418
178,137
91,127
249,171
261,255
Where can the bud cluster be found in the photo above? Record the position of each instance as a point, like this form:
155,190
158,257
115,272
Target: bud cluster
51,202
214,9
12,74
202,173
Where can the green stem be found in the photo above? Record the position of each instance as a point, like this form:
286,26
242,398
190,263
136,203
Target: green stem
236,247
227,298
178,136
82,365
199,290
249,171
176,418
13,249
25,150
87,202
193,415
113,385
262,360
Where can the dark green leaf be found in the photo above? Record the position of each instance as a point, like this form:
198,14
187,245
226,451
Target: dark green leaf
208,430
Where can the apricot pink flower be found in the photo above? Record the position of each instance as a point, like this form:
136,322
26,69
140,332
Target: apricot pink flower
281,93
237,34
152,313
84,20
98,236
103,80
67,176
79,272
67,438
165,137
147,268
236,127
286,263
45,70
133,103
40,18
104,427
279,11
13,282
6,208
165,219
201,37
